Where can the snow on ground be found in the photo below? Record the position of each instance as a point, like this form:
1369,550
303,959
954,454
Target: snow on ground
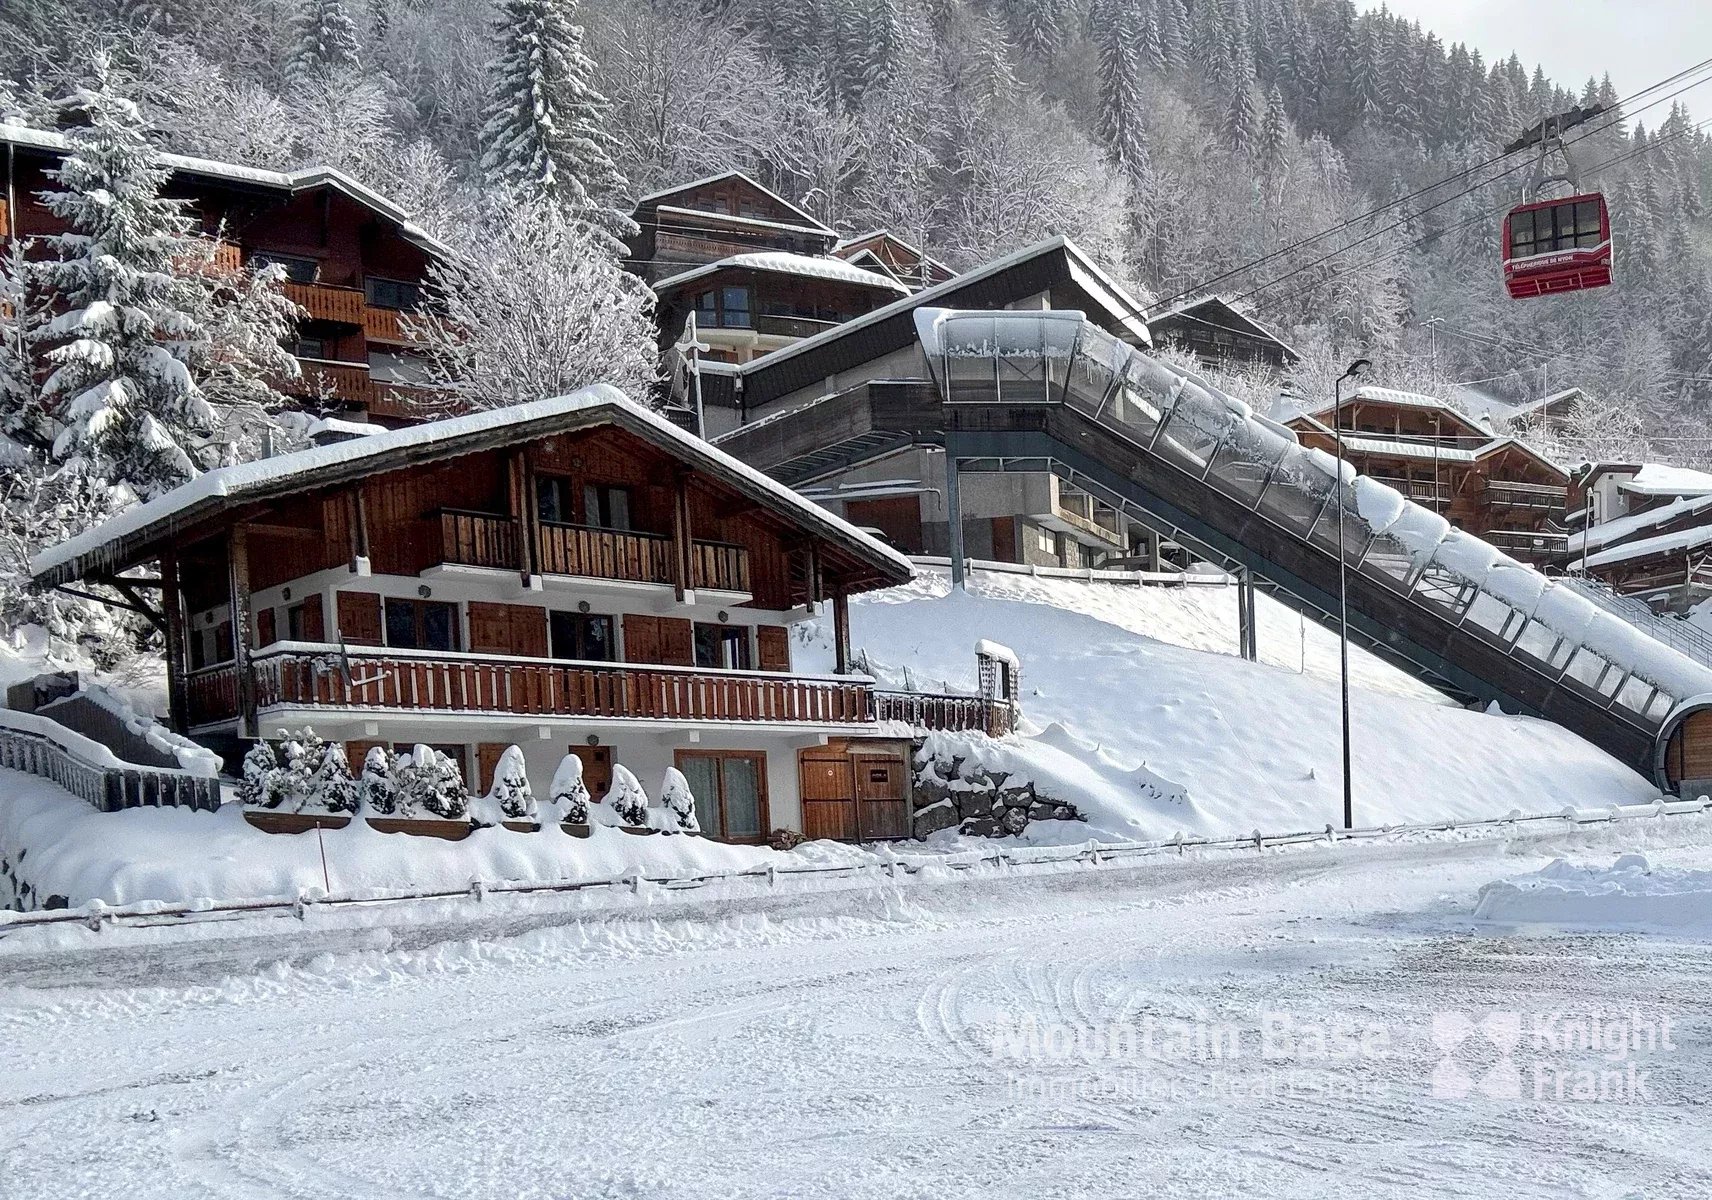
1629,893
995,1037
179,855
1121,698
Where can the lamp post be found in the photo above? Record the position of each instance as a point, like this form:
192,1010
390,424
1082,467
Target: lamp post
1355,369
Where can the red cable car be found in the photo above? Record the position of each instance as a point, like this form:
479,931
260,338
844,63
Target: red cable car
1555,246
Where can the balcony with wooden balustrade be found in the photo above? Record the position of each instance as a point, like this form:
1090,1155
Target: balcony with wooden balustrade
325,302
479,539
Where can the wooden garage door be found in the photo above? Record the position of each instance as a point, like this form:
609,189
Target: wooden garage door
882,795
828,795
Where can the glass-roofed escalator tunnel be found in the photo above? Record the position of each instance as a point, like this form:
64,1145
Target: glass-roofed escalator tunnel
1564,642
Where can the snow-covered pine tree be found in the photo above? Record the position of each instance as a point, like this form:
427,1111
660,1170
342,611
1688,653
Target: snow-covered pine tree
121,385
41,506
1274,133
510,792
20,412
1039,33
678,801
261,785
588,319
1121,103
325,40
568,799
378,788
545,136
1240,124
300,758
627,800
333,790
451,799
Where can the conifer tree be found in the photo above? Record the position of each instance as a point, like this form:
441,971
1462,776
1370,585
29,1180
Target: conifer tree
121,383
1039,33
1240,124
326,40
545,134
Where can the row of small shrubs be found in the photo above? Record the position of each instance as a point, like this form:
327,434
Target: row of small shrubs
301,772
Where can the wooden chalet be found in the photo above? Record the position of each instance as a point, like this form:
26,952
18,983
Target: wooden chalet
1647,532
354,262
569,575
752,304
884,251
1220,336
1497,488
723,215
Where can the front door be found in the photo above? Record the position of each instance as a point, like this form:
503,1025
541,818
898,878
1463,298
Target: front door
597,769
882,795
828,795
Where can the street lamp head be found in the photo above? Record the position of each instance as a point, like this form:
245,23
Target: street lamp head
1358,367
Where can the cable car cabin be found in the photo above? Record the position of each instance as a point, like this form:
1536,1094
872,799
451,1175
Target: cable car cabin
1557,246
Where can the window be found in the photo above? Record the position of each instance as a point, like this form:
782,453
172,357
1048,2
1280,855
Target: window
297,268
307,347
392,293
389,367
722,646
725,308
421,625
553,498
584,637
730,792
1044,539
1560,227
606,507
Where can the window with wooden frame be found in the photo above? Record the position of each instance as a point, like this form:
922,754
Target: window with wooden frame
298,268
606,507
582,637
392,293
723,646
421,624
730,790
554,499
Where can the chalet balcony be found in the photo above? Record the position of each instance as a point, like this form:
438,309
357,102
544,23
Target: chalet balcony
325,302
349,381
1433,493
304,675
793,327
1529,546
387,325
490,540
1503,494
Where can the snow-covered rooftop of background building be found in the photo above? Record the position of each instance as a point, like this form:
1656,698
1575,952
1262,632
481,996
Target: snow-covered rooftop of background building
1607,532
1429,452
785,263
1657,479
1664,543
287,181
268,474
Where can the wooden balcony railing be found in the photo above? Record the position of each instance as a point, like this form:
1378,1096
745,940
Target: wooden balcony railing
490,540
211,694
928,711
781,325
324,302
1525,495
1421,491
386,325
539,687
347,380
1526,543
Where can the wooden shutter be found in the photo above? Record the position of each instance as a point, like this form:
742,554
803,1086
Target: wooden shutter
529,630
266,631
359,618
314,625
677,642
490,628
773,644
487,758
641,638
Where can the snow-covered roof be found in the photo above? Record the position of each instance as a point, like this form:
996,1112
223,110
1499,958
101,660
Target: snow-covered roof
888,235
1396,449
783,262
1664,543
325,465
1616,530
1186,308
720,218
707,179
300,180
1658,479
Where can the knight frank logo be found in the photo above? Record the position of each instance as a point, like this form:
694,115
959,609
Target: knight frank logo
1510,1055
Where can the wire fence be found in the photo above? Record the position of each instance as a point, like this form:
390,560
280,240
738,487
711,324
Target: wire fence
887,867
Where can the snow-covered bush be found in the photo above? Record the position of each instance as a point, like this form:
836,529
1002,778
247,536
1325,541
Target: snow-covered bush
377,788
430,785
568,801
300,755
333,789
677,802
262,783
627,800
510,797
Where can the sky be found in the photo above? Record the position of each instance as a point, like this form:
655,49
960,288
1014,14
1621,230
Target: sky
1638,41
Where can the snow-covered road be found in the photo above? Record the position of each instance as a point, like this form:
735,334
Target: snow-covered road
1093,1033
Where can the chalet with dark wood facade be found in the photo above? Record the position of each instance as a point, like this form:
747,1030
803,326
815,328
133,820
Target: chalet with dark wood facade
1220,336
1644,529
354,262
882,250
1497,488
724,215
572,575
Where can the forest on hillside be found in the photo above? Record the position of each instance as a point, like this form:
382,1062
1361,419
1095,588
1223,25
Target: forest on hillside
1176,140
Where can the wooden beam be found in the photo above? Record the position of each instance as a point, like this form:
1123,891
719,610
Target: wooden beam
67,590
515,475
238,594
683,574
123,587
178,708
359,525
296,532
840,631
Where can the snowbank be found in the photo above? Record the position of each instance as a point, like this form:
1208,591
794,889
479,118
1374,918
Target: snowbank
1148,738
1628,894
178,855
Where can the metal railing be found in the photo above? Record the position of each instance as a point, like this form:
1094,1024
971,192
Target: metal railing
29,743
1674,632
